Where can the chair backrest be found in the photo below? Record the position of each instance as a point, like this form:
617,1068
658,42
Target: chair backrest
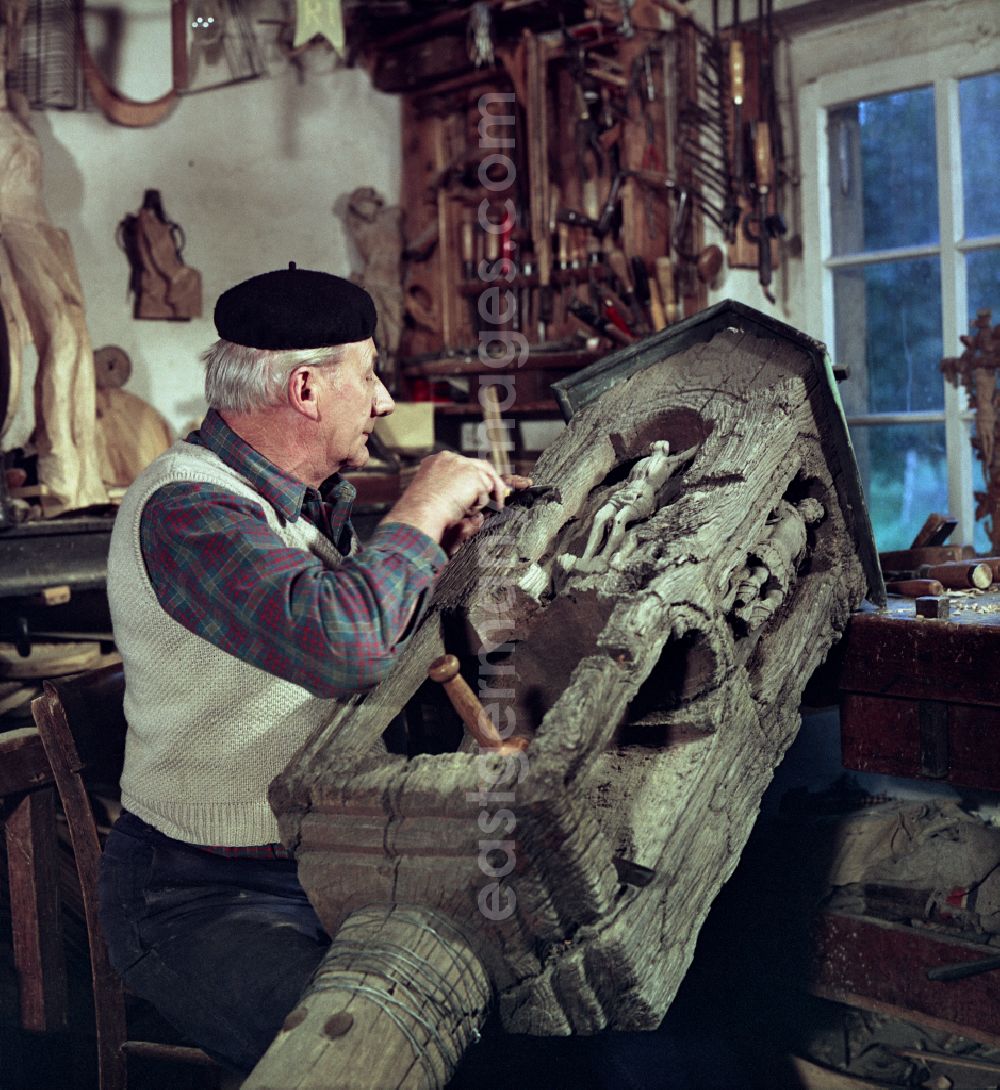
82,726
28,830
92,728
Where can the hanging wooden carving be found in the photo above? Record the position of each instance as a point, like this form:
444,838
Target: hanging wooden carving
120,108
164,287
655,680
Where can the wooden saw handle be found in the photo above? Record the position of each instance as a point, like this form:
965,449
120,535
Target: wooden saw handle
445,670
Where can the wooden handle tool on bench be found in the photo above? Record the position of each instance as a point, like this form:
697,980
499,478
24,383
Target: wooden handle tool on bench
445,670
959,574
915,588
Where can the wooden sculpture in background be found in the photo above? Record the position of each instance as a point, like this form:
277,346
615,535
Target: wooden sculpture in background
43,303
977,369
377,233
130,432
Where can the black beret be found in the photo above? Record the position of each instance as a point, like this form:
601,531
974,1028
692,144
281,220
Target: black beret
295,308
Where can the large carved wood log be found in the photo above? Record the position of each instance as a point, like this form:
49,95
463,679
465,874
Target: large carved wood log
658,681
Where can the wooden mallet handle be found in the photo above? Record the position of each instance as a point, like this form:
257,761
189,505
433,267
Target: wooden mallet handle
915,588
445,670
959,574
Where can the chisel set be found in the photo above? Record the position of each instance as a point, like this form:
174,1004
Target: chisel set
580,183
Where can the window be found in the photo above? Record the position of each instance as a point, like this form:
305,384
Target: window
907,211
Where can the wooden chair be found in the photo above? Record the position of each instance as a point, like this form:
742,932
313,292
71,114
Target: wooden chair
82,726
28,822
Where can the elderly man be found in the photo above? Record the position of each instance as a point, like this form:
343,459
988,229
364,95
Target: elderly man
241,606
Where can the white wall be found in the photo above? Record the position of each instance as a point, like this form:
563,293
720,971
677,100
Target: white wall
251,172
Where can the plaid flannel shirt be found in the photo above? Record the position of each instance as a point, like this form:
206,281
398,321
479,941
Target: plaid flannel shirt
218,569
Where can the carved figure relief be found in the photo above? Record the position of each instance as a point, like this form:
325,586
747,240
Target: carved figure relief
633,502
761,584
643,631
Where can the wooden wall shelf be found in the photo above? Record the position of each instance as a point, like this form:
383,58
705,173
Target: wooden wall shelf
539,159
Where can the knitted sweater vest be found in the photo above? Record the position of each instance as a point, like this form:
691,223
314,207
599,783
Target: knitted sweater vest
207,732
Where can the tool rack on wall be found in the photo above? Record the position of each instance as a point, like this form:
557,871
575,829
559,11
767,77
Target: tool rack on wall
555,189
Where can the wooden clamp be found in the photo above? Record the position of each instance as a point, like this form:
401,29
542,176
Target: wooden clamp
445,670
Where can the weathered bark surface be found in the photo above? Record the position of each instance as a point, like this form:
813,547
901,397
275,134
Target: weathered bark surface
659,694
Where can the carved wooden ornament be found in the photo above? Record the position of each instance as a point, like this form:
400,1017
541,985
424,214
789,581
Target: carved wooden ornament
659,691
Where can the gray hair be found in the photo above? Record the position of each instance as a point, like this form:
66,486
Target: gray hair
240,379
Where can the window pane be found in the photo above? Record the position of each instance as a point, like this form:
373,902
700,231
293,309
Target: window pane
983,281
905,478
979,109
888,333
883,172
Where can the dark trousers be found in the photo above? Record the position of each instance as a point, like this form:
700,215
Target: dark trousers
223,948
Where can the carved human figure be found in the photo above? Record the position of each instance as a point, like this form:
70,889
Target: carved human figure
376,231
634,501
760,586
40,288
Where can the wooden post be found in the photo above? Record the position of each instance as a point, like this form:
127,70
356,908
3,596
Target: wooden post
395,1002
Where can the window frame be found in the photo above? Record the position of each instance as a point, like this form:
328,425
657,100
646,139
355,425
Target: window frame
941,69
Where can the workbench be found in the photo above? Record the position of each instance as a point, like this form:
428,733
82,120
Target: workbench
920,699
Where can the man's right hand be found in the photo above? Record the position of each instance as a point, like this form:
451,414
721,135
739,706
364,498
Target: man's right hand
448,489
